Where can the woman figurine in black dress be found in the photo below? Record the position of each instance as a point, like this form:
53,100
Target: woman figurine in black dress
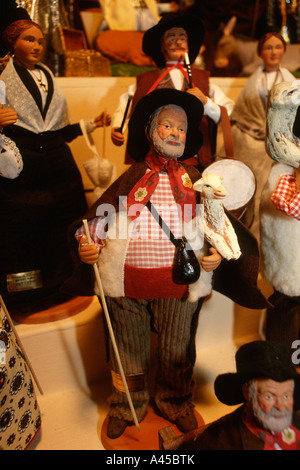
37,207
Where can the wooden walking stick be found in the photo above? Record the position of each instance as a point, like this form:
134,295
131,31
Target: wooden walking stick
111,333
188,67
130,96
104,133
20,344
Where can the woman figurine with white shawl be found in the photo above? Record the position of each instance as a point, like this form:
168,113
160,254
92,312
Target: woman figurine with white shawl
249,114
37,207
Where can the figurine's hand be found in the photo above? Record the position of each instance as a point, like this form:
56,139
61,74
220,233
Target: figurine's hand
174,7
198,94
103,119
7,116
212,261
117,137
89,253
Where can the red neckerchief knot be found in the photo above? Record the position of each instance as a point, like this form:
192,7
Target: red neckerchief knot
181,185
167,70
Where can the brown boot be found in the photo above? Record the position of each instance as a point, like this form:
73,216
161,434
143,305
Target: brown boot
187,423
116,427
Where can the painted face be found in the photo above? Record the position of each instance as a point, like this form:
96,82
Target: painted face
29,47
169,134
273,406
174,44
271,53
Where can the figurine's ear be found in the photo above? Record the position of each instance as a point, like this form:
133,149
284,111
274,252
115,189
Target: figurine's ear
229,27
198,185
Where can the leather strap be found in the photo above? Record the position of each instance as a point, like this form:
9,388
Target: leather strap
227,133
162,224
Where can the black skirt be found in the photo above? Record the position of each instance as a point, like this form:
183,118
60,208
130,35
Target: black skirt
36,210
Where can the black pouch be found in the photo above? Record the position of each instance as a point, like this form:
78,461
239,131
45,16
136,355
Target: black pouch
186,267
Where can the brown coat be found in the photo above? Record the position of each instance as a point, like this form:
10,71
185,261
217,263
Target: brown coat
230,433
235,279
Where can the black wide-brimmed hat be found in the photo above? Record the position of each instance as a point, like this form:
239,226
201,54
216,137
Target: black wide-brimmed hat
9,13
138,144
254,360
191,24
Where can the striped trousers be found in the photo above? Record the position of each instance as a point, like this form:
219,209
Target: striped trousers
175,323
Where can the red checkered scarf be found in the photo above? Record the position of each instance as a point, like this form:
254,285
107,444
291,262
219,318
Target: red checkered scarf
181,184
286,197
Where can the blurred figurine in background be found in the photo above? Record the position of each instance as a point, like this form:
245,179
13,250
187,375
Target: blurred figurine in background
133,15
280,215
173,44
249,114
38,206
267,385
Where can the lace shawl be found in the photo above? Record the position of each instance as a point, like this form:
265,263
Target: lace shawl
22,100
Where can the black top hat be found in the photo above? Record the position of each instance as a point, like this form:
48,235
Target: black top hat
9,13
191,24
138,144
253,360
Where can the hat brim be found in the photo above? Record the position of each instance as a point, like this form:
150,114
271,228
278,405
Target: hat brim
152,37
228,389
138,144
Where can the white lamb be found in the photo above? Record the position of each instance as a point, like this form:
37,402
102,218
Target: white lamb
217,228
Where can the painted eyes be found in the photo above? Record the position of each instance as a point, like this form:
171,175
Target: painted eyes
175,39
270,48
168,127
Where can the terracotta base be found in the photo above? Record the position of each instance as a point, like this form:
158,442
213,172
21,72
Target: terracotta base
58,312
146,438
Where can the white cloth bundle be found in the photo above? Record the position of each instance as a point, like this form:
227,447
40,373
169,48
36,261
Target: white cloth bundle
100,170
11,162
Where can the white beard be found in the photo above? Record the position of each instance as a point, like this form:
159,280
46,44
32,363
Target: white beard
274,424
268,420
163,148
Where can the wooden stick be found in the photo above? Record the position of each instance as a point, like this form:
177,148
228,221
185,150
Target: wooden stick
130,96
104,133
112,336
20,344
188,67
